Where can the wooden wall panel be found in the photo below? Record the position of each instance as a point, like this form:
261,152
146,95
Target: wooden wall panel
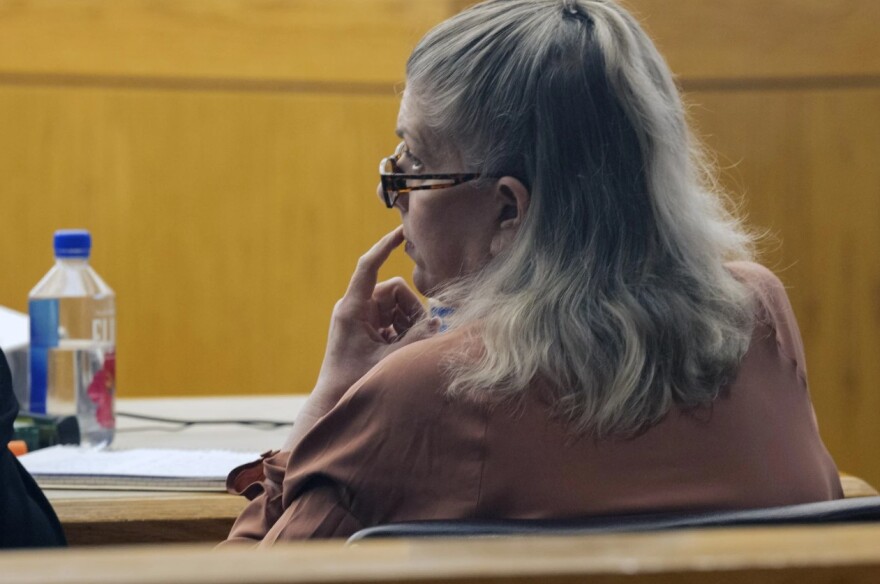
227,223
805,164
765,39
264,40
224,153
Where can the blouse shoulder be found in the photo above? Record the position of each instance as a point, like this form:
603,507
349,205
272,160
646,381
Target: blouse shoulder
391,439
414,377
755,276
772,308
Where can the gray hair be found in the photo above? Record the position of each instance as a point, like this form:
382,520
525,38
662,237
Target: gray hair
614,290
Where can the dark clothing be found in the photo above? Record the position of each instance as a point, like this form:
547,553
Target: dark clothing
26,517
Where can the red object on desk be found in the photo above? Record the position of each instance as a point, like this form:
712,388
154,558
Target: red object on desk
18,447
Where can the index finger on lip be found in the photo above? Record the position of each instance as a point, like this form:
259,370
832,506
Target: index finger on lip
366,274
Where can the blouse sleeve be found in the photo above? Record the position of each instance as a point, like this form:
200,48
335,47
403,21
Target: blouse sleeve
386,452
260,482
776,311
318,513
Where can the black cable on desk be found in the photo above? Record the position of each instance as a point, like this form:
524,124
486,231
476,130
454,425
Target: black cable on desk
258,424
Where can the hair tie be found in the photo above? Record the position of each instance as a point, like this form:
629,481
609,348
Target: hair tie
570,8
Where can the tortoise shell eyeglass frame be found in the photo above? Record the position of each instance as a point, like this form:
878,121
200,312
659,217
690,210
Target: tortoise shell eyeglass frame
394,181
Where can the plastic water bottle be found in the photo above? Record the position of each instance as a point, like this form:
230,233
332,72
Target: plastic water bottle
73,341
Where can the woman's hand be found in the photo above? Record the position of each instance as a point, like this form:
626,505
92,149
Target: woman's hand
370,322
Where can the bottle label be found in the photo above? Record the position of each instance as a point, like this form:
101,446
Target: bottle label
101,390
104,328
44,337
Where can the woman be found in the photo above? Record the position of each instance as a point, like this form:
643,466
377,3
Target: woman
603,355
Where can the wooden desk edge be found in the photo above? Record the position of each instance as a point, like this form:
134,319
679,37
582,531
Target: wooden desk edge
148,518
169,517
138,506
813,555
854,486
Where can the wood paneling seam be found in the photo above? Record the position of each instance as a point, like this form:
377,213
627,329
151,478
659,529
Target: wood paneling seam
188,84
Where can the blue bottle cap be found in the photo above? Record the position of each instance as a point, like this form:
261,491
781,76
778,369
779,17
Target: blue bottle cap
72,243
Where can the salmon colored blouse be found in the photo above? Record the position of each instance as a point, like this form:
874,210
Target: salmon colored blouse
397,448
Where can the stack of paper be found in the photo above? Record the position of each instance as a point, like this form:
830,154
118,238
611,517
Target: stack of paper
73,467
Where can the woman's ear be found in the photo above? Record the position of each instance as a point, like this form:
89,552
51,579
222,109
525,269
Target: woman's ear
514,199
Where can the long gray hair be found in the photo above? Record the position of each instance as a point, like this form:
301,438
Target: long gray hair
614,290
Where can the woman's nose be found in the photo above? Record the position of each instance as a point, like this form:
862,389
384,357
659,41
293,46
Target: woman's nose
379,192
401,203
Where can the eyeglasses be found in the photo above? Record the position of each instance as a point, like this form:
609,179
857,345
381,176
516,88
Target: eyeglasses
395,182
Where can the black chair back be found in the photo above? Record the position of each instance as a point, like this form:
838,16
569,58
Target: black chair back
839,511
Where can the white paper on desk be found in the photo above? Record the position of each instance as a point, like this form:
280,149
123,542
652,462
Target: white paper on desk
14,328
142,468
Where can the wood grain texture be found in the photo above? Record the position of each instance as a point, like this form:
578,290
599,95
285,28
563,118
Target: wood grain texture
116,506
855,487
264,41
125,518
304,40
224,152
757,39
805,165
146,517
807,555
749,41
227,224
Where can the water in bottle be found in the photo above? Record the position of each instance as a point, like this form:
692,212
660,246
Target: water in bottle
73,341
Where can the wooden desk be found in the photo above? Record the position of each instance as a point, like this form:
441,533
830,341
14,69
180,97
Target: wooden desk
134,517
803,555
112,518
853,486
142,517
